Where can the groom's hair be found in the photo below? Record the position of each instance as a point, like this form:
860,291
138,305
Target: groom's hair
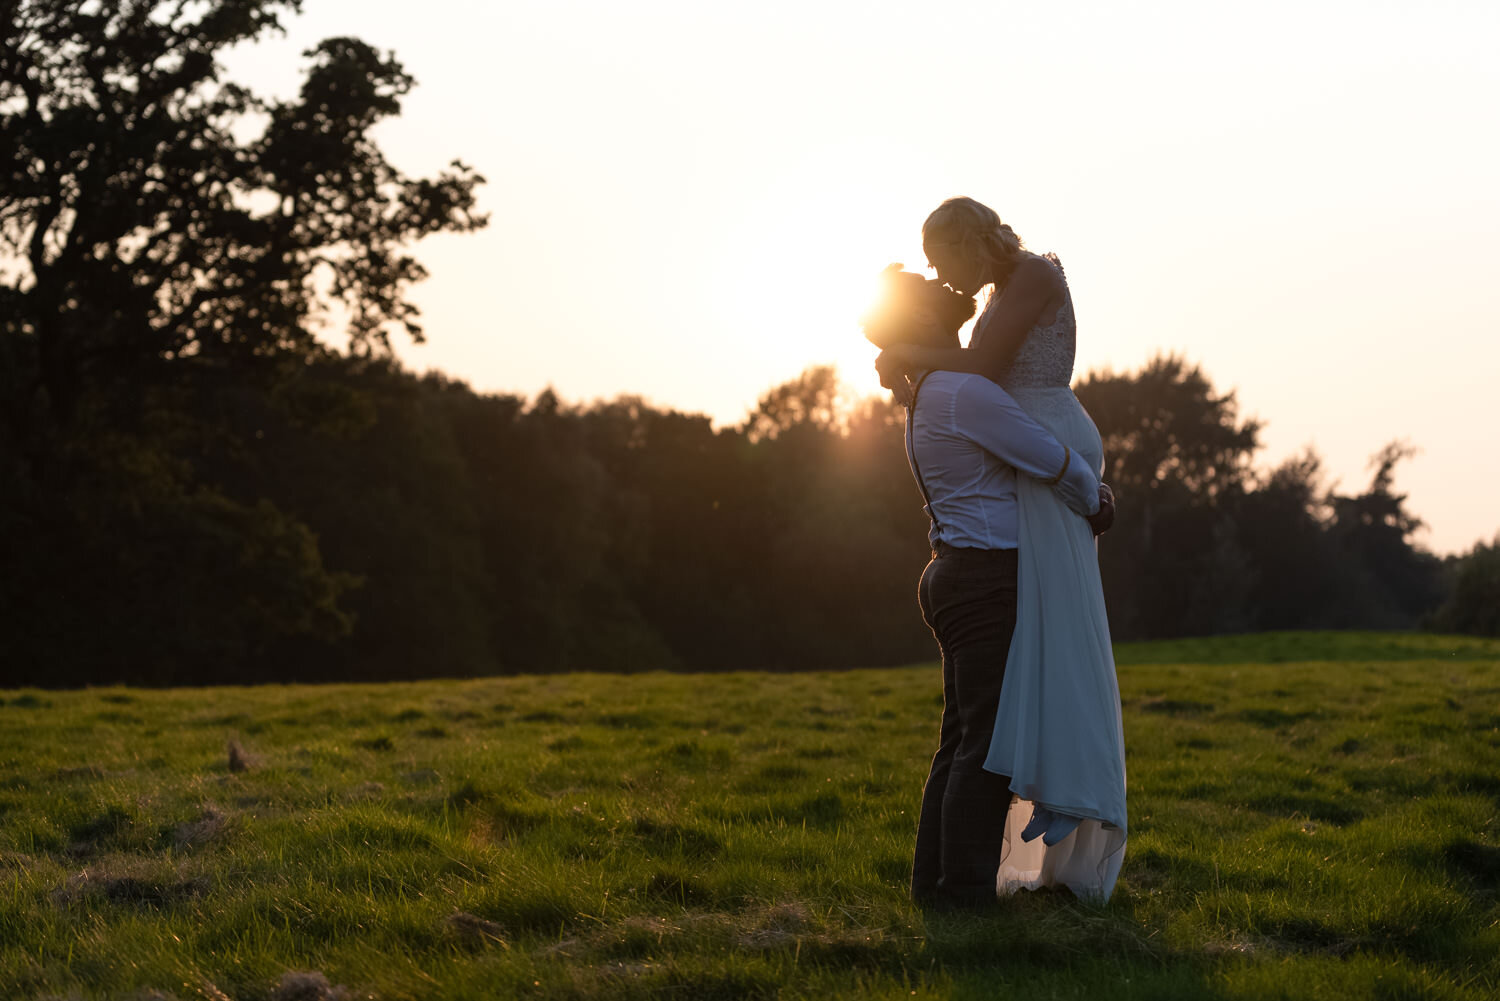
915,310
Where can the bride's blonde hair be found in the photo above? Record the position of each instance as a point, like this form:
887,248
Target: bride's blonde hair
976,231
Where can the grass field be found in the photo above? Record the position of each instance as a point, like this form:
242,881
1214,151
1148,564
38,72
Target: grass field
1312,816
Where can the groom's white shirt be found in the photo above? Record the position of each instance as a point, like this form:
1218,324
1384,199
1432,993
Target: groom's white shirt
969,439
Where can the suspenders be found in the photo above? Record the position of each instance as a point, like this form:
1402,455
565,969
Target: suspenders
911,450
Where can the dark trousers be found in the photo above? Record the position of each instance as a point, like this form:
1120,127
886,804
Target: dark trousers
968,598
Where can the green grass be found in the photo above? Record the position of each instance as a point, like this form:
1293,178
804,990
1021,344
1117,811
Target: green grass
1313,816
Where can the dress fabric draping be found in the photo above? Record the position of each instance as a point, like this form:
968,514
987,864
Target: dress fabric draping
1058,731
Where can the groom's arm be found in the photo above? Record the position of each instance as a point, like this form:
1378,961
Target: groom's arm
991,418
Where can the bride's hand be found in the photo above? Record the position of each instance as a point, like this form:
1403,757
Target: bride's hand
892,363
892,368
1105,517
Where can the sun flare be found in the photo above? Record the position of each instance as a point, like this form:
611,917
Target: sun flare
804,264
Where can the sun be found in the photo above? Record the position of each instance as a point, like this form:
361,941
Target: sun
803,262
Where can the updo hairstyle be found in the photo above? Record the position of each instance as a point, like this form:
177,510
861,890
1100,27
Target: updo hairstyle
916,310
975,231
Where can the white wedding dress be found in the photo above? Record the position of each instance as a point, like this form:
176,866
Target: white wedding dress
1058,732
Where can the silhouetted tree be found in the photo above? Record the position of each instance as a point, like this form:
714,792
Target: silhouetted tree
143,230
1473,602
1389,581
475,533
1281,524
810,403
1204,545
1178,457
697,518
1166,423
567,533
169,243
847,536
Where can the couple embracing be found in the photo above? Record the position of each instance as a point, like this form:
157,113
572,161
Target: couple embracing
1027,789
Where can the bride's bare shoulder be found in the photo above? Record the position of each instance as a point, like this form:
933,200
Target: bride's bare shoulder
1037,270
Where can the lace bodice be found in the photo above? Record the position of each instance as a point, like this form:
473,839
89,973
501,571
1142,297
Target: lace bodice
1045,358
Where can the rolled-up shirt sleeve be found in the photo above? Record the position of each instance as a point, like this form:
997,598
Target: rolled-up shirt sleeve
991,418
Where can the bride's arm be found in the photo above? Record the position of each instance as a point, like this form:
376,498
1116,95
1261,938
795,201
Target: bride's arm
1031,289
991,418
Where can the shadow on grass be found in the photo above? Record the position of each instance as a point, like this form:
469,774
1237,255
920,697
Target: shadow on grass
1478,864
1176,707
825,810
734,986
1152,869
675,839
674,886
1289,804
1035,937
103,830
1094,980
1270,718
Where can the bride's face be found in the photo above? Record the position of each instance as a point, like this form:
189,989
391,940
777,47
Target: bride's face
957,270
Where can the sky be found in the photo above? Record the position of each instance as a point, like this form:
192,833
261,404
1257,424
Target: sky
691,201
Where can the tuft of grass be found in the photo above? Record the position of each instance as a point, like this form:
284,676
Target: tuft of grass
239,759
208,826
474,931
308,986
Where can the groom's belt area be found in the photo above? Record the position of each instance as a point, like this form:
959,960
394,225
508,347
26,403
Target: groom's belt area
947,552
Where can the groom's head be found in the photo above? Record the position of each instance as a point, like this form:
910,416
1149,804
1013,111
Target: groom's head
914,310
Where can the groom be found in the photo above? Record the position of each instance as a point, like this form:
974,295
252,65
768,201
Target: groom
967,440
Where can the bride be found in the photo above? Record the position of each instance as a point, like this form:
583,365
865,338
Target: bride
1058,731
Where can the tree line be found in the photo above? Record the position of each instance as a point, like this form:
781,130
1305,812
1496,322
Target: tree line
194,488
357,521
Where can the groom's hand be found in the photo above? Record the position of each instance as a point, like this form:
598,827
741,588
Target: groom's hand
1101,520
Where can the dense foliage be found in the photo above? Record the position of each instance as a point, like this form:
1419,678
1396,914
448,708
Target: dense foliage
1206,544
1473,601
474,533
169,245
